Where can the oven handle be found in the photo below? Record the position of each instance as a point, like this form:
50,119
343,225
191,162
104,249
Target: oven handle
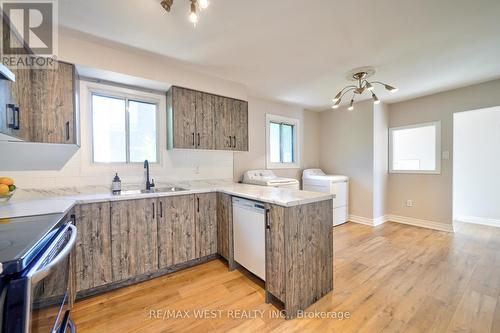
37,275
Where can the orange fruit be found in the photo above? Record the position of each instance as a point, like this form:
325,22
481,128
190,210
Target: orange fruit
4,189
6,181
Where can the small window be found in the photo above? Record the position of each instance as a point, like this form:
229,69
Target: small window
123,129
282,144
415,148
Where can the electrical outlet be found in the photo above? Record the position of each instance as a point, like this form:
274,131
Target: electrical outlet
409,203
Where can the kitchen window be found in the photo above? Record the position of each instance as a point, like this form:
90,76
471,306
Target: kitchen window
415,148
124,129
282,142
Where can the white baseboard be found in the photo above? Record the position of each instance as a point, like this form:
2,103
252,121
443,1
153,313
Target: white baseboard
402,219
367,221
478,220
421,223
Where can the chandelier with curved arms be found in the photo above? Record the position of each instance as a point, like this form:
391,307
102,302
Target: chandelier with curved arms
362,85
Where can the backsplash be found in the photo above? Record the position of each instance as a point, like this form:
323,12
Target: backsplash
177,165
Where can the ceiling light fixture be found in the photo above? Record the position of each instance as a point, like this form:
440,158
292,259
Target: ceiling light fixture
360,75
194,8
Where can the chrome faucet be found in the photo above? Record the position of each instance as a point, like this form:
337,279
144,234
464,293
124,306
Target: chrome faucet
149,184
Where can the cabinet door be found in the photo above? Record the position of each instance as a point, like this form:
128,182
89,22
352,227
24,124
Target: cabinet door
240,125
204,121
223,123
225,226
93,246
176,230
53,104
184,118
206,224
134,238
275,251
21,97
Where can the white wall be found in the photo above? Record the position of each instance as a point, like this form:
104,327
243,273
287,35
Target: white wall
347,148
476,166
432,194
380,159
255,158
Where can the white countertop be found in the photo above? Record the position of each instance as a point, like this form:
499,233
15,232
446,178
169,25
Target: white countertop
61,201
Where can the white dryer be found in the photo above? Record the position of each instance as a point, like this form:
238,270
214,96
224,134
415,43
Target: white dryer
269,178
317,181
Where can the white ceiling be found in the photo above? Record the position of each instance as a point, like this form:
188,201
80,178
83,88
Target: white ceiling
298,51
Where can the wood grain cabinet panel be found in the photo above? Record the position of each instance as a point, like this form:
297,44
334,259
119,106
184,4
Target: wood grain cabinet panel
225,227
92,254
182,117
275,251
205,121
176,230
51,115
206,224
198,120
134,238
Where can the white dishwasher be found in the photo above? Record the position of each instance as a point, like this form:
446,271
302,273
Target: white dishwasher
249,235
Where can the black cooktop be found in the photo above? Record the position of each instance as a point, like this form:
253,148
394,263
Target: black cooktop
22,238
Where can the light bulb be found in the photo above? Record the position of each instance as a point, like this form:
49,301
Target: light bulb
336,105
369,86
193,17
391,88
337,97
351,106
375,99
204,4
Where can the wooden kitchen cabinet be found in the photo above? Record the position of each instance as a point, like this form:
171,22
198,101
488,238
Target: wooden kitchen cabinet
176,230
206,224
92,253
225,227
134,238
275,251
52,110
198,120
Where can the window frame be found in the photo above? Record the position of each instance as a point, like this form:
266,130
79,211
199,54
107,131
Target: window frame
136,96
437,169
271,118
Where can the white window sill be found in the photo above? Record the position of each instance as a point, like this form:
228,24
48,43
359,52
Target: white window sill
272,166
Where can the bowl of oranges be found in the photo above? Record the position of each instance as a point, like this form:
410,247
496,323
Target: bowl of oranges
7,189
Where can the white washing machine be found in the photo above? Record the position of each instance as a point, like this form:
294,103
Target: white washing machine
269,178
317,181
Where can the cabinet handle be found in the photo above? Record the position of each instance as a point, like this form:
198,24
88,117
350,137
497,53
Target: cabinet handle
67,131
161,209
268,222
199,139
230,142
153,210
234,141
193,138
198,204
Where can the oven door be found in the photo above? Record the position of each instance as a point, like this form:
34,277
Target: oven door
48,286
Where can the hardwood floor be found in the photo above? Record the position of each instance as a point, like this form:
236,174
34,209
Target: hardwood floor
393,278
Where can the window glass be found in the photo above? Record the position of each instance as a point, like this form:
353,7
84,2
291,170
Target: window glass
287,143
414,149
108,131
275,142
142,123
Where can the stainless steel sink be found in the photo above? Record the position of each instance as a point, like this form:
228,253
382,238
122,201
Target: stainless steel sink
155,190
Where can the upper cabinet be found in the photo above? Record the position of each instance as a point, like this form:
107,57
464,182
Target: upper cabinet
198,120
40,106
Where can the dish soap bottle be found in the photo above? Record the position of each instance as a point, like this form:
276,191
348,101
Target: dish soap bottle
116,186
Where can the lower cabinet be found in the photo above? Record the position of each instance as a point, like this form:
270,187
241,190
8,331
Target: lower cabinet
121,242
176,230
225,226
206,224
92,254
134,238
